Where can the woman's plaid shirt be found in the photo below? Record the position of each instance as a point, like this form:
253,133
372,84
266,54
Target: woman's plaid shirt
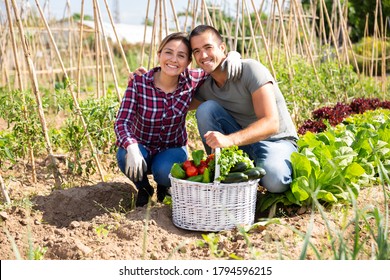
152,117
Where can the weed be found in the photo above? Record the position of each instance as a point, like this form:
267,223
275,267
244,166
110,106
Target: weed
103,230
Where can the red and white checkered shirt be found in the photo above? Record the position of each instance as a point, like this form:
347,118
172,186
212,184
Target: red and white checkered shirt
152,117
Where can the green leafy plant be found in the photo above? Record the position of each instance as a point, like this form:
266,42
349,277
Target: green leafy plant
103,230
334,164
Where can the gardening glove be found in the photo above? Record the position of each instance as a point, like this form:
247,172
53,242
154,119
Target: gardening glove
139,71
233,65
135,163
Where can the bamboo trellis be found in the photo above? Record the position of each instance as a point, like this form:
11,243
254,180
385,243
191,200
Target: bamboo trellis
63,49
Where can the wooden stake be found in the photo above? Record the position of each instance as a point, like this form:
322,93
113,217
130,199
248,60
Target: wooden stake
57,176
109,53
145,28
25,112
75,101
298,7
78,84
97,52
3,188
335,42
175,16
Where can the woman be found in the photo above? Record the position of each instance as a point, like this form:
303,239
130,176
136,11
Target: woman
150,125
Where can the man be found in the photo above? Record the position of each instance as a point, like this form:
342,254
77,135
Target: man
250,112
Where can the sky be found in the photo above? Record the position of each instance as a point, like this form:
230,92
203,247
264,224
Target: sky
131,11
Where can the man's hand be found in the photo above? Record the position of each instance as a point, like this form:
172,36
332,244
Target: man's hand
135,163
233,65
139,71
215,139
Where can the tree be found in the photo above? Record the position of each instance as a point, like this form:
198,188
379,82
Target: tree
359,10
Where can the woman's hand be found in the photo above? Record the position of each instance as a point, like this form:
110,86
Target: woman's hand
139,71
233,65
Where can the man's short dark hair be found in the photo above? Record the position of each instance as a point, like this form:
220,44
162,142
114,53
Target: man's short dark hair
200,29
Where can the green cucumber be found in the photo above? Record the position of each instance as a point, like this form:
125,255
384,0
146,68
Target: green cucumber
253,173
261,170
239,167
196,178
235,177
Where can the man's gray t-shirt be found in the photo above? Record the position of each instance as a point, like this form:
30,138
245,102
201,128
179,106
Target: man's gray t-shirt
236,97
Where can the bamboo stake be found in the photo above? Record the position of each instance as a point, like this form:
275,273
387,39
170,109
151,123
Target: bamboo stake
165,18
264,39
145,28
34,81
99,27
70,42
346,38
335,42
186,15
216,23
80,50
75,101
14,48
296,27
242,28
3,188
109,53
252,31
97,54
366,65
195,14
271,30
207,14
374,53
25,112
175,16
151,48
291,32
313,26
285,40
117,37
237,26
322,30
202,12
383,42
306,40
160,29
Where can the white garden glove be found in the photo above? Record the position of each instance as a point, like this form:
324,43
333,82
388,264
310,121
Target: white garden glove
135,163
233,65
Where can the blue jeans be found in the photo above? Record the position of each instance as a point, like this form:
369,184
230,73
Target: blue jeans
273,156
159,164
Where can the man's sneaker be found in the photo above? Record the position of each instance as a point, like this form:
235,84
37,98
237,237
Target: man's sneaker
144,195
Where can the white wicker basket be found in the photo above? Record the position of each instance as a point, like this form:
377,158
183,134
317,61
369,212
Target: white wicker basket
212,206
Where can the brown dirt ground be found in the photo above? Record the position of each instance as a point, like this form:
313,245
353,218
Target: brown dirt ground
94,220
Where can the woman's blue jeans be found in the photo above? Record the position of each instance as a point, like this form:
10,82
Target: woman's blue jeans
273,156
159,164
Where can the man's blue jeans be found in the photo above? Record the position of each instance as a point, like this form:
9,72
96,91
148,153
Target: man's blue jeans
273,156
159,164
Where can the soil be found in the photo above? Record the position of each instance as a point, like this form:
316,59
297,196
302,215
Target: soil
96,221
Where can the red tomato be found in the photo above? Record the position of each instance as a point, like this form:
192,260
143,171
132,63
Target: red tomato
191,171
203,163
187,164
201,169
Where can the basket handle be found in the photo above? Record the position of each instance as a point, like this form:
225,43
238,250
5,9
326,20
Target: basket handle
217,153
